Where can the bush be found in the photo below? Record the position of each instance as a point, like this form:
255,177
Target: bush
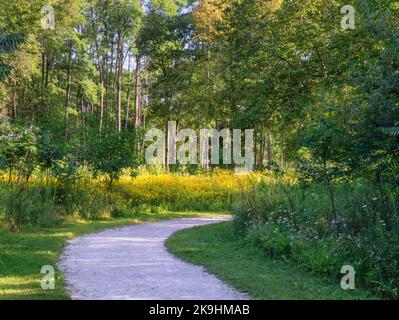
293,221
34,206
274,240
43,204
88,198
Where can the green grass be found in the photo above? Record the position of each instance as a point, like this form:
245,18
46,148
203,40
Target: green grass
221,252
23,253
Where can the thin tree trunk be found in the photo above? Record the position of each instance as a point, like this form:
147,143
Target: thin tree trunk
119,81
256,145
262,150
101,101
44,64
14,104
101,65
68,91
269,151
48,67
128,100
108,104
138,92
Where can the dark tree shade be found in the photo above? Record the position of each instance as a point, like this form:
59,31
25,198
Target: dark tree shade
8,43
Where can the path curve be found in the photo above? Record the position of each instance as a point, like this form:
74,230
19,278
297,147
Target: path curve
132,263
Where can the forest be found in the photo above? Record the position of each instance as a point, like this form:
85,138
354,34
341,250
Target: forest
82,81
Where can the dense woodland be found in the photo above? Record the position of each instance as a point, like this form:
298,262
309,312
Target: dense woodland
76,101
286,69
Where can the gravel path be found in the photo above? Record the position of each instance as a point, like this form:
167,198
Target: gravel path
132,263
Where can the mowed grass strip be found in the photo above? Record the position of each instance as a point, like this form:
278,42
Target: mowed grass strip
244,267
23,253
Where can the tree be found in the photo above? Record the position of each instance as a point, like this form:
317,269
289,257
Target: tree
110,154
8,44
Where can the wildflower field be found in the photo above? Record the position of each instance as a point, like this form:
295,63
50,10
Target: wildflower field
176,192
277,213
44,202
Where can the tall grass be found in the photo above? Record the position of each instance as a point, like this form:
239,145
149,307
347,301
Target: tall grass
293,222
46,201
184,192
43,203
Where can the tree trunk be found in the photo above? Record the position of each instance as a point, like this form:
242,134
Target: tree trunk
262,150
44,64
14,105
110,61
269,151
138,92
101,100
119,81
129,92
68,91
48,67
101,64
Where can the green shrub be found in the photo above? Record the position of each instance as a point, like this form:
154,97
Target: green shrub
89,200
33,206
320,256
120,212
295,222
274,240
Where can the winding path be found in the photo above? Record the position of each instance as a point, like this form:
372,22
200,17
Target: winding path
132,263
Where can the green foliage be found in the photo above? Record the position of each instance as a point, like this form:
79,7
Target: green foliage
272,239
169,7
83,199
34,206
323,101
109,154
245,267
294,223
8,44
18,151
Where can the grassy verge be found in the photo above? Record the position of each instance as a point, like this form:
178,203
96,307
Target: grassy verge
23,253
221,252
